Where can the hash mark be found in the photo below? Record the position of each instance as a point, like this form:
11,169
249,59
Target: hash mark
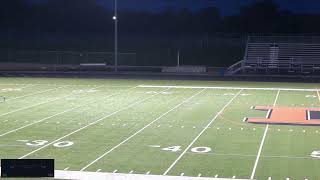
98,170
66,168
115,171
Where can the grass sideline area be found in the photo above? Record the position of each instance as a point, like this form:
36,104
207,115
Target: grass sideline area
157,127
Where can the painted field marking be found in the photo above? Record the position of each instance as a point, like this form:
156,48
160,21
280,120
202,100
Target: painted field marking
131,172
262,142
40,84
269,178
230,88
38,104
35,93
198,136
4,90
115,171
182,174
233,177
148,173
66,168
98,170
90,124
199,175
216,176
133,135
57,114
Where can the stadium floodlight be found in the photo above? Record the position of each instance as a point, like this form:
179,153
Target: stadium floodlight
115,18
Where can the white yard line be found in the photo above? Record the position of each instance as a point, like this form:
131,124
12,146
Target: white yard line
90,124
60,113
262,142
318,95
35,93
198,136
136,133
230,88
45,102
39,84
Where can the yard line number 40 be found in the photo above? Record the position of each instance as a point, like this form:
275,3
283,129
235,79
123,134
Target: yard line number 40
194,149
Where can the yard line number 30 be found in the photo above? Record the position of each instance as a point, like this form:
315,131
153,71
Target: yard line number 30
37,143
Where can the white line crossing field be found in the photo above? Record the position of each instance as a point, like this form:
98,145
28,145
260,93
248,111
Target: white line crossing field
133,135
58,114
262,142
90,124
197,137
41,103
228,88
196,131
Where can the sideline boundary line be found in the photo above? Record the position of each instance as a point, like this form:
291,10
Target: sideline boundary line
198,136
92,123
262,142
39,84
60,113
231,88
82,175
146,126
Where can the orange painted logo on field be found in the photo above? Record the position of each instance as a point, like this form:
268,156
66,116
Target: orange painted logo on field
287,115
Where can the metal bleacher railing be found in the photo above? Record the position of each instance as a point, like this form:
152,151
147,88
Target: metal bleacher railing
282,54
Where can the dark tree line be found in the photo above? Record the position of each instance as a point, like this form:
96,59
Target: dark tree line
88,16
202,37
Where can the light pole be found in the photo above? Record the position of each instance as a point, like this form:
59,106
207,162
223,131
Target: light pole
115,18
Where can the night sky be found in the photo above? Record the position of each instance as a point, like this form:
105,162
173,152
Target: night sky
227,7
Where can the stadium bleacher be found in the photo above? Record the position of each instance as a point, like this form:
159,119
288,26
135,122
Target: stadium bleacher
280,55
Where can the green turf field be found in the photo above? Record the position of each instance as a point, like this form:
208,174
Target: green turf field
160,129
